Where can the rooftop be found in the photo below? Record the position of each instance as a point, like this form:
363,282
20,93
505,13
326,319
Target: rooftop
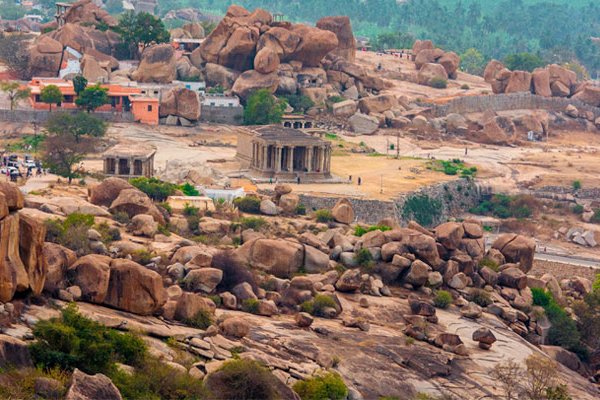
276,133
129,151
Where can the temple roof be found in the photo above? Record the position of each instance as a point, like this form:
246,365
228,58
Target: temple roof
129,151
291,136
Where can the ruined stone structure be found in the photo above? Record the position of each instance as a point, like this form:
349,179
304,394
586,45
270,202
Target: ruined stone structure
296,121
129,162
284,153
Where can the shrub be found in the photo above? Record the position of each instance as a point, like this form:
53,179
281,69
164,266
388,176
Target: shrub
364,258
359,230
438,82
250,306
299,103
154,380
262,108
201,320
156,189
121,217
577,209
248,204
71,232
74,341
142,256
234,271
504,206
108,233
442,299
20,383
189,190
190,210
323,215
488,262
481,297
327,386
465,87
252,223
576,185
596,217
301,209
242,379
422,209
167,207
318,305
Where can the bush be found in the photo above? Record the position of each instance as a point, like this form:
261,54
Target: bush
156,189
465,87
504,206
262,108
481,297
142,256
74,341
190,210
301,209
201,320
523,62
254,223
167,207
243,380
189,190
121,217
248,204
422,209
327,386
250,306
364,258
438,82
323,215
71,232
157,381
359,230
442,299
108,233
576,185
299,103
234,271
488,262
318,305
577,209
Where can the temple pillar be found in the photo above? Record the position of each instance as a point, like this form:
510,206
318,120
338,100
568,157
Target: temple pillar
264,157
291,159
309,158
278,152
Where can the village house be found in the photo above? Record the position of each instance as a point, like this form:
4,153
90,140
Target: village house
285,153
144,108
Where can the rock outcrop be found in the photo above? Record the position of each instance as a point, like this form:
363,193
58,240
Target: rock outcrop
158,65
342,28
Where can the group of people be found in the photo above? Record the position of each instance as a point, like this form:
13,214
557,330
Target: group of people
358,181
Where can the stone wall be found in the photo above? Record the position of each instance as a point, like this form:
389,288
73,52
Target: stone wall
455,197
506,102
222,115
40,117
566,193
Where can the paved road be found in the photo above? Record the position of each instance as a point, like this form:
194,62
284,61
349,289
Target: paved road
572,260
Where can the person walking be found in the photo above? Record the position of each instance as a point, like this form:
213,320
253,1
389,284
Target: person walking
359,181
298,179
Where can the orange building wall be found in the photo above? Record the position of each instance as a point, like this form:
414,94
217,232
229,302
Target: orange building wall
142,113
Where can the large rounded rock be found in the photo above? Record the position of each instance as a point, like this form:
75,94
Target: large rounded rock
562,80
315,44
430,72
340,25
85,387
86,12
589,94
350,281
343,212
13,197
203,279
519,81
45,56
251,81
427,56
14,353
181,102
450,61
143,225
512,277
363,124
134,202
450,234
282,258
540,80
59,259
418,273
190,304
419,45
315,261
497,130
32,234
158,65
266,61
92,274
377,104
134,288
236,327
289,202
107,191
516,249
492,69
218,75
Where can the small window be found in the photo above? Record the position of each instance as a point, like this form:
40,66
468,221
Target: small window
149,108
213,103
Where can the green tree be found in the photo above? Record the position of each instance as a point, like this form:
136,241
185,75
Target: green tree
79,84
262,108
15,92
523,62
141,29
68,139
472,62
51,95
92,97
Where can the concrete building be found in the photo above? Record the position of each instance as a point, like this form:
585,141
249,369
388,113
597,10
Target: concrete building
222,109
122,99
284,153
126,161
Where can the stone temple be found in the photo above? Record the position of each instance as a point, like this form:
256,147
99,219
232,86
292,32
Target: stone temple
284,153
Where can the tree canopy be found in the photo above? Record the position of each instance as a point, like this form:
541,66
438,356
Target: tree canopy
263,108
51,94
141,29
79,84
92,97
15,92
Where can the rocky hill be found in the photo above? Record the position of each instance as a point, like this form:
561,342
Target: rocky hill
304,297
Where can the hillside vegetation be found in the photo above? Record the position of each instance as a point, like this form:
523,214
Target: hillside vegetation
558,30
